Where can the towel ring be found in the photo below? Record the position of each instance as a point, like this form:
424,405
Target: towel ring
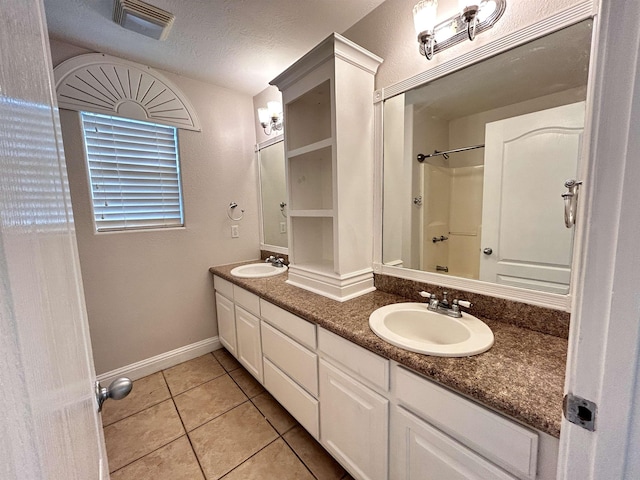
231,209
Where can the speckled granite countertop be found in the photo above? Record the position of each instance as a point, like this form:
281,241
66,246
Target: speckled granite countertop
522,375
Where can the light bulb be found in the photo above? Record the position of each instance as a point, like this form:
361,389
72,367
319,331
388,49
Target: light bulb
274,109
424,16
263,116
486,9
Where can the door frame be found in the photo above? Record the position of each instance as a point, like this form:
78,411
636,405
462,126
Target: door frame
603,359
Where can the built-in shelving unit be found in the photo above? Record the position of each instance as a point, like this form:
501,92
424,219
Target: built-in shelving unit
328,119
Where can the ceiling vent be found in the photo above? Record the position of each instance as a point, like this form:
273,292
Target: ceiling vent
140,17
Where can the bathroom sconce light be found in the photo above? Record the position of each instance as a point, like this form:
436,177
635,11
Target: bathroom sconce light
475,17
271,117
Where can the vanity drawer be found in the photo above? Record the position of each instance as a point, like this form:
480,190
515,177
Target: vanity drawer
246,300
358,360
291,357
297,328
498,439
299,403
223,286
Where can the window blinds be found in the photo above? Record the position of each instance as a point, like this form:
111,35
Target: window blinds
134,173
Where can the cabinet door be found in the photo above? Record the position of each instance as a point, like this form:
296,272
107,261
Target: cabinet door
226,323
421,452
249,344
353,424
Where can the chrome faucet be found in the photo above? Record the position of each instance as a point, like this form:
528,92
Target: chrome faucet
443,306
276,262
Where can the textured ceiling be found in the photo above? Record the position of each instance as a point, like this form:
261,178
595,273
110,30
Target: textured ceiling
238,44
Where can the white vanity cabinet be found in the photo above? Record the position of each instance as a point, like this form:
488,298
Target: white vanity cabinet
239,324
437,433
249,346
354,418
419,451
247,306
378,419
225,312
291,364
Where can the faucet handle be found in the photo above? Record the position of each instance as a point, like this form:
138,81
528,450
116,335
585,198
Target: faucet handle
463,303
424,294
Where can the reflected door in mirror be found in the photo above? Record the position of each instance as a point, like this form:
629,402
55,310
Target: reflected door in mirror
527,160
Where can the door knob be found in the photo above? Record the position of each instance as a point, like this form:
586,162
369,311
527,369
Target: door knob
487,251
117,390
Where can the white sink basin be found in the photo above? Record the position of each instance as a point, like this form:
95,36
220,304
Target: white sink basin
257,270
412,327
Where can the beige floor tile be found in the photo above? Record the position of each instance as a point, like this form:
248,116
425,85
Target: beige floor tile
277,416
276,462
249,385
192,373
227,360
230,439
314,456
142,433
201,404
146,392
175,461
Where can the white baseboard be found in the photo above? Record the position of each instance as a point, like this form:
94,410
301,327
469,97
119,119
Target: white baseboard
160,362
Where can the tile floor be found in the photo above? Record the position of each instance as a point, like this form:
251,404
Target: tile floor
208,418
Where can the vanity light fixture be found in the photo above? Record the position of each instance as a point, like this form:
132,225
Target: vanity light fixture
271,117
475,17
424,19
469,11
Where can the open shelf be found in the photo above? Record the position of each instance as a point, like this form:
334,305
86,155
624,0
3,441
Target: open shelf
329,150
327,142
309,117
311,180
313,241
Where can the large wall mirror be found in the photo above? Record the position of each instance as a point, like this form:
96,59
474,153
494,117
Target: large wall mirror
273,195
497,141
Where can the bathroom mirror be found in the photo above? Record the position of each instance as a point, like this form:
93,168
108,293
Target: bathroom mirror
273,195
490,209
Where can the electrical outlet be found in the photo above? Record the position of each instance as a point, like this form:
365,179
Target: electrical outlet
283,227
235,232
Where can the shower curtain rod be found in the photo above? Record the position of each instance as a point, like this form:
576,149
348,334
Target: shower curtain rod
421,157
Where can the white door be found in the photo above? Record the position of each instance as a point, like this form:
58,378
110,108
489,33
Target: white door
527,160
49,421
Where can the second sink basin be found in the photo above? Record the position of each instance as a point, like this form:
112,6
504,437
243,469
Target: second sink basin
412,327
257,270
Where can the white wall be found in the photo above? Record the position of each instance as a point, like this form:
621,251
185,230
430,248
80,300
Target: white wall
150,292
